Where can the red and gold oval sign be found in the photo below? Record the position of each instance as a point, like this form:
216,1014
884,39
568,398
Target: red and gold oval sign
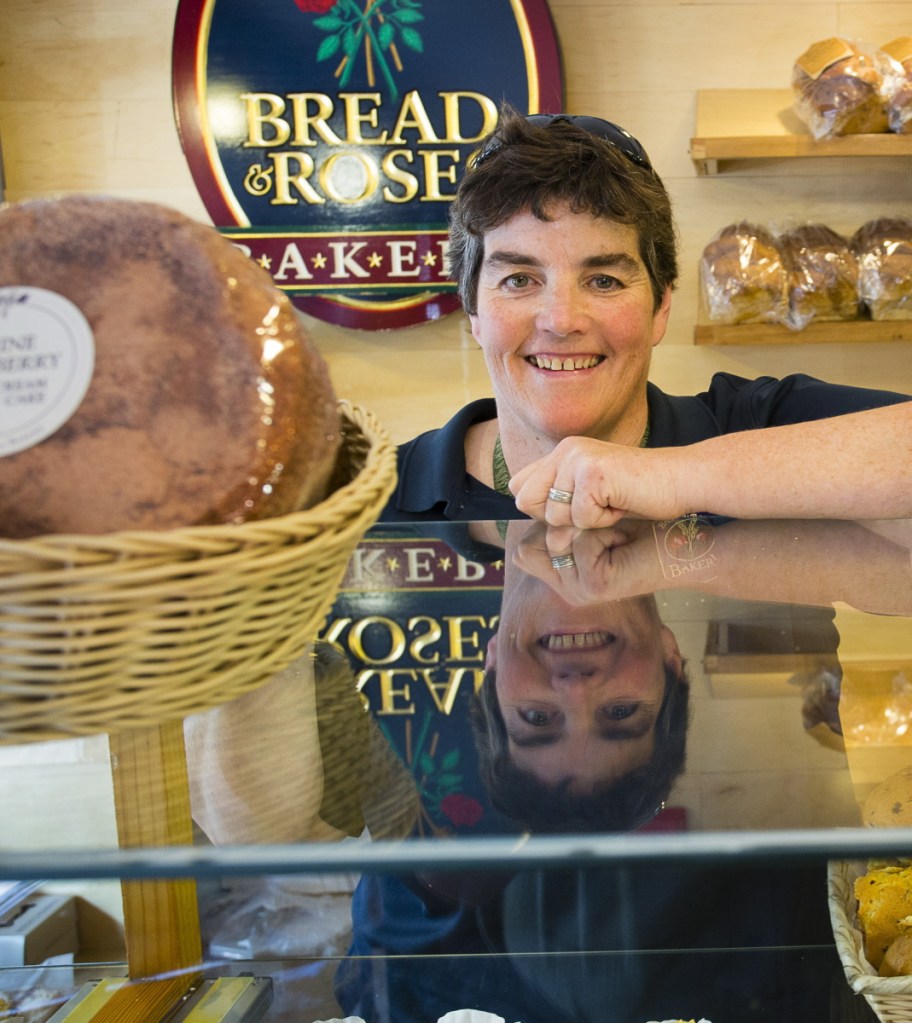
327,137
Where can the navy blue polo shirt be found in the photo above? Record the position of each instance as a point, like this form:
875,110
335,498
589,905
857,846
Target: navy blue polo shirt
434,485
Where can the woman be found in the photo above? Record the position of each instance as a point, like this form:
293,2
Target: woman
581,721
563,244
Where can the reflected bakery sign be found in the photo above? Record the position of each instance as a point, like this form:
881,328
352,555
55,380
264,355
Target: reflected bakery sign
327,137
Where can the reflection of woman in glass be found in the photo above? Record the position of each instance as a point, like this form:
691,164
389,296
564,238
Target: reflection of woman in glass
582,716
581,725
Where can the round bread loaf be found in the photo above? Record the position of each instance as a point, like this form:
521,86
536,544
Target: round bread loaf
889,805
897,961
208,403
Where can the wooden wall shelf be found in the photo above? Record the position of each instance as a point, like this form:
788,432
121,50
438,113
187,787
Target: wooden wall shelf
761,124
853,331
757,124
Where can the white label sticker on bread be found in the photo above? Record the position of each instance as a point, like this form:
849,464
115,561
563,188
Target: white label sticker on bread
47,356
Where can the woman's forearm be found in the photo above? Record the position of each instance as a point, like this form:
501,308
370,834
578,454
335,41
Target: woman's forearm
857,466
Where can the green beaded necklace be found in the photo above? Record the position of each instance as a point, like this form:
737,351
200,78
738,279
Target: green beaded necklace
502,473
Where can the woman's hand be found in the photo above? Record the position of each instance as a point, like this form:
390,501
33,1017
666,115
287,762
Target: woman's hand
601,483
854,466
814,562
592,566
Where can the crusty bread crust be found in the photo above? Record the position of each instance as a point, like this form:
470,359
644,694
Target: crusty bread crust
208,403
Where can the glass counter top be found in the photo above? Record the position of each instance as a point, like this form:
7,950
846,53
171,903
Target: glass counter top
490,693
576,758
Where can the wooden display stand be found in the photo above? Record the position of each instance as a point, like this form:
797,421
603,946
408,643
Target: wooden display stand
117,633
161,917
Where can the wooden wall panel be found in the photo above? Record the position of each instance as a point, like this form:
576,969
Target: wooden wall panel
85,105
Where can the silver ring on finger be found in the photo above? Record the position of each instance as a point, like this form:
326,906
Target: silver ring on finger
560,496
563,561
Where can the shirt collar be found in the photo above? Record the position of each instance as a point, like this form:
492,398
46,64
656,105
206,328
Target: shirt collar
432,467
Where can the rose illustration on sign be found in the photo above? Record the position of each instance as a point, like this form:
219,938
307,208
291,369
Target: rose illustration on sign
438,779
461,810
376,29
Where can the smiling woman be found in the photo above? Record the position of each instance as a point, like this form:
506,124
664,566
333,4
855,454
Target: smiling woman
563,245
566,321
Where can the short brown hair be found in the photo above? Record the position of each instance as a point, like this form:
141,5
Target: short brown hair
530,167
621,804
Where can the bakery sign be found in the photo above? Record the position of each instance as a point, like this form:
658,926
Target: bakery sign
327,137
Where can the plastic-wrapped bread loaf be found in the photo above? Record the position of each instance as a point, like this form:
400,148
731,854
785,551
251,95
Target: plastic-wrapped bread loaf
822,275
743,276
841,88
205,401
883,249
899,105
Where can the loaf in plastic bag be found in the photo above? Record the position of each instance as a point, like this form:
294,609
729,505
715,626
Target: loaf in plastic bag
899,105
822,275
883,249
843,87
743,276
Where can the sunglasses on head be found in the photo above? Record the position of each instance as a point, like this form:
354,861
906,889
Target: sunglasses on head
610,132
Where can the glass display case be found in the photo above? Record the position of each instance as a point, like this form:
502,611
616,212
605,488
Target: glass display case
519,775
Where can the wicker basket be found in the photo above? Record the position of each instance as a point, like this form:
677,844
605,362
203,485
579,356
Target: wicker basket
106,633
889,997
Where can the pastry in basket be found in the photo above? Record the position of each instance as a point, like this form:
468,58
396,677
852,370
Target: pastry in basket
822,275
206,402
897,960
883,248
884,893
841,88
884,897
744,277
